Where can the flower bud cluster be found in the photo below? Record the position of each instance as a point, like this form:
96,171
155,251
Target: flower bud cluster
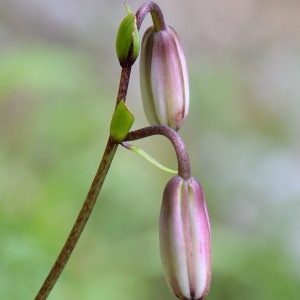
184,228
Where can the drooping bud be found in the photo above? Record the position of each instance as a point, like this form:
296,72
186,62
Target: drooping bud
128,40
164,78
185,239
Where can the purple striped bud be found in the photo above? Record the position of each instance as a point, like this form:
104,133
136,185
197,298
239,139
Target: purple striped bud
185,239
164,78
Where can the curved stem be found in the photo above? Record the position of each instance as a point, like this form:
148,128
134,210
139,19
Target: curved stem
184,169
88,205
80,222
156,14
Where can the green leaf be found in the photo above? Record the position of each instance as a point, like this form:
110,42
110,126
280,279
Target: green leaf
121,122
148,157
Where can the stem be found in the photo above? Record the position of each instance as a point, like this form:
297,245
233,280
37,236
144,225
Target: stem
123,86
156,14
88,205
80,222
184,169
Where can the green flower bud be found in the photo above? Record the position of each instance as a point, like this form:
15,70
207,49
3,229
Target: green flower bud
185,239
128,41
164,78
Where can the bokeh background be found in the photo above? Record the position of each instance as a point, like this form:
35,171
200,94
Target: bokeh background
58,83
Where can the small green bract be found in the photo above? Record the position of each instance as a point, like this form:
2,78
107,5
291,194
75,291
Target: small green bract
121,122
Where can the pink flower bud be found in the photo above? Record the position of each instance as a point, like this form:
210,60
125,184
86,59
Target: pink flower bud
185,239
164,78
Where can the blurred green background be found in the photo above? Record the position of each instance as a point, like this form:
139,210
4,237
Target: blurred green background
58,83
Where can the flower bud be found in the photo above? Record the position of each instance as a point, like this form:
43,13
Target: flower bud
164,78
184,235
128,41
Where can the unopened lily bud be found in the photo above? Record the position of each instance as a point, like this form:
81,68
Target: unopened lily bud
164,78
184,235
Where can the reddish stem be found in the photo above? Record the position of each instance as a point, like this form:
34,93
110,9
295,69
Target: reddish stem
184,169
156,14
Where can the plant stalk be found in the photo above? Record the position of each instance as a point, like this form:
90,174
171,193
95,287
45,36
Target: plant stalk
184,169
88,205
80,222
156,14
